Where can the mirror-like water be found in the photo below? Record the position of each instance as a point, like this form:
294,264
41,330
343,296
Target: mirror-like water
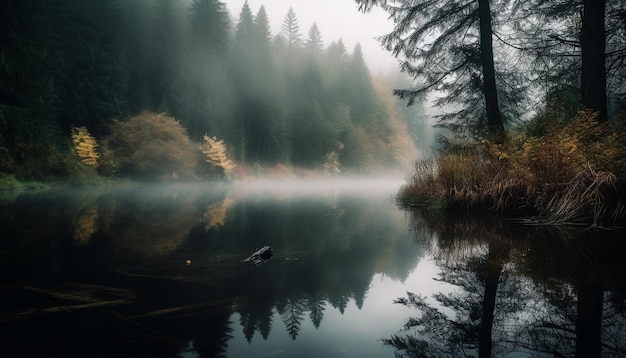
157,271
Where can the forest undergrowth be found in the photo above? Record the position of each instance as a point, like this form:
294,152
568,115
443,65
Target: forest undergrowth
554,172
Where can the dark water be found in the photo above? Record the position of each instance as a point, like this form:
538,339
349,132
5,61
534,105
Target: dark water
157,271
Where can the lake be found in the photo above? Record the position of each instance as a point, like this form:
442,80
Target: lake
159,271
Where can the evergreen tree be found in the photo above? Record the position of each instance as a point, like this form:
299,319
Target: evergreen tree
86,57
576,45
360,92
201,93
135,33
593,52
209,24
458,60
28,102
242,65
291,30
269,88
314,45
166,53
253,74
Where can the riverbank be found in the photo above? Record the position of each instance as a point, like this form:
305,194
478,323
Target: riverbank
564,173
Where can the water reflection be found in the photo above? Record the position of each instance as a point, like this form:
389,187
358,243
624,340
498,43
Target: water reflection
520,290
158,271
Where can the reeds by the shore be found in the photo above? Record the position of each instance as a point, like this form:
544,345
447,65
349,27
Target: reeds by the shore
572,173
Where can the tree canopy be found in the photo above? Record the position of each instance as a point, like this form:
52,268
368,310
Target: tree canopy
487,59
272,99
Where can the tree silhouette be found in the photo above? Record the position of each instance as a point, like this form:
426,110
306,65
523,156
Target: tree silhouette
459,60
291,30
292,312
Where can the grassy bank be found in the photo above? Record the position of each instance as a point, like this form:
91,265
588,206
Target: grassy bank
556,172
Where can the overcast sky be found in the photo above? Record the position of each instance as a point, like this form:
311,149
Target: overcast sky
336,19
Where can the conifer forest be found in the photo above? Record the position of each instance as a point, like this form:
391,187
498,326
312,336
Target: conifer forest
142,85
208,178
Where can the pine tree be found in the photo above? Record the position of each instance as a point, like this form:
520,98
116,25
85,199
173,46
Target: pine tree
209,24
167,46
448,46
360,93
291,30
314,44
84,53
201,91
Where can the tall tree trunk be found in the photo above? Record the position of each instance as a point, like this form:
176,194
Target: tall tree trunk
589,320
492,280
494,118
593,43
498,252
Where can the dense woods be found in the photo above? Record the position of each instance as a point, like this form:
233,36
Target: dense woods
535,90
532,95
270,99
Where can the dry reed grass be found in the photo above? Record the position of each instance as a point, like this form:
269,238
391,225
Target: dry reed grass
572,174
591,197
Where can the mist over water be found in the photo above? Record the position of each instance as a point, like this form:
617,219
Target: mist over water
348,185
159,270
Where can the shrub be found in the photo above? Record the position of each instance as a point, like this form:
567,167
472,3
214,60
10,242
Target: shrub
149,146
573,172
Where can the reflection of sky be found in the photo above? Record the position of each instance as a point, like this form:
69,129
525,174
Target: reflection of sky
355,333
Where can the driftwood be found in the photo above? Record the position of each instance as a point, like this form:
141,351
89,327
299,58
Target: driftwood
261,255
83,297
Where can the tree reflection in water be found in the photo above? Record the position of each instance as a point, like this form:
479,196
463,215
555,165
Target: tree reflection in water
161,267
531,290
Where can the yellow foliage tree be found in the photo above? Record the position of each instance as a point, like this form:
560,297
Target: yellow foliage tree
215,153
85,145
332,163
215,216
86,226
150,146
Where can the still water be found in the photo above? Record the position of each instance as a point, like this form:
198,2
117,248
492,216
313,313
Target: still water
158,271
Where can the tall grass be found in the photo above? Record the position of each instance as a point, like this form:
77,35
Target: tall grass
573,173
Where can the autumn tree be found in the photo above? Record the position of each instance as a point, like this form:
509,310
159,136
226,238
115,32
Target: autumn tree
86,146
215,153
149,146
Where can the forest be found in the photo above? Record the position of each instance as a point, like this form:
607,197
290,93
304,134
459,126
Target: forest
531,98
534,94
183,90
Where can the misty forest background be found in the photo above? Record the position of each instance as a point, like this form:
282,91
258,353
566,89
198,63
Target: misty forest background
138,84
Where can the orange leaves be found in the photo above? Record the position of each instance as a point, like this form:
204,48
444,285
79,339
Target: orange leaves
215,152
85,146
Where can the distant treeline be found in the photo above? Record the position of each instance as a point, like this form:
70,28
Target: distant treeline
272,98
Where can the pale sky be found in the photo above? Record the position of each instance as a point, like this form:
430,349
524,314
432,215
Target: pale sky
336,19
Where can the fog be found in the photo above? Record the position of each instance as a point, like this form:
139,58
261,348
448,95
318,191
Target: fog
336,19
319,187
205,90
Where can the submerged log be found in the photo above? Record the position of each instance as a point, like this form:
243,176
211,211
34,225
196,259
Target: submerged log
261,255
